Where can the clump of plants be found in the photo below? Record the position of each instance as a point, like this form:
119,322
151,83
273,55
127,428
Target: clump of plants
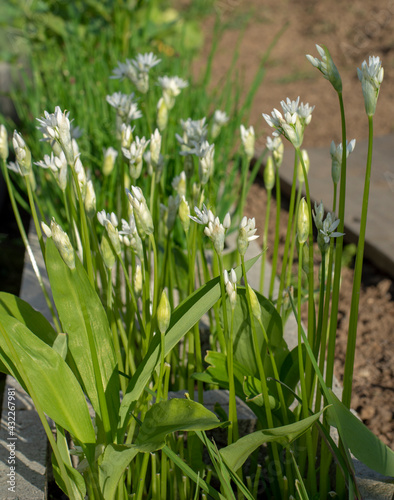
135,254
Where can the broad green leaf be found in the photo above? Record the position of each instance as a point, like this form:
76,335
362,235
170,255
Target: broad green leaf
183,318
243,342
76,480
58,391
362,442
60,345
235,454
80,309
161,419
173,415
290,373
252,389
116,458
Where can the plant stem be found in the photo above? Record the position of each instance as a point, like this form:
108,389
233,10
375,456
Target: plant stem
277,224
352,332
265,234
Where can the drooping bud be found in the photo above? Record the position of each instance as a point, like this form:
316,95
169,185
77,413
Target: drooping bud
269,174
302,222
163,313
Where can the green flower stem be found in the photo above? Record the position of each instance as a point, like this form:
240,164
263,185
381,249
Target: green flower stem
224,304
156,290
142,474
352,331
277,224
338,256
304,390
244,180
232,409
287,240
265,234
334,201
293,238
263,379
28,248
35,218
48,431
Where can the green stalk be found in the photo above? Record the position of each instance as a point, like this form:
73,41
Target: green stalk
338,255
232,409
265,234
352,332
277,224
263,379
288,234
304,393
293,238
223,295
35,218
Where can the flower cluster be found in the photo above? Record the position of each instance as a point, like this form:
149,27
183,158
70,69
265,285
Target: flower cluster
371,77
336,153
246,233
327,67
137,70
214,229
292,124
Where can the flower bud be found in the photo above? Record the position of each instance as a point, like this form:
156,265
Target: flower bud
62,242
163,313
137,281
3,143
318,215
248,140
90,199
143,217
302,222
269,174
371,77
110,156
155,146
254,302
162,115
184,212
300,170
22,153
107,252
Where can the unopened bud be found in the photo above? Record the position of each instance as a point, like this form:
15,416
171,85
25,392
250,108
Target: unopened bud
254,302
110,156
138,280
318,215
107,252
300,170
22,153
184,212
90,199
162,115
163,313
3,143
303,222
269,174
62,242
248,140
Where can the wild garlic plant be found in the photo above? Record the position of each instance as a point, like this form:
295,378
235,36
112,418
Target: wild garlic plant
131,278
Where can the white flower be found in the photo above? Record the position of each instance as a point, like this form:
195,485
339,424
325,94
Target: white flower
220,118
327,67
203,217
172,86
275,145
206,153
216,232
110,222
110,156
129,235
58,165
14,166
327,231
155,146
194,132
371,77
57,127
62,242
126,108
137,70
143,217
135,154
246,233
248,140
292,125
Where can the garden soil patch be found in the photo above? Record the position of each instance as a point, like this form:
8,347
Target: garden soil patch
352,31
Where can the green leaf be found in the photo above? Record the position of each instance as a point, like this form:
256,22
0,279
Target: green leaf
243,343
23,312
290,373
116,458
161,419
60,345
236,454
59,393
80,309
173,415
183,318
76,480
362,442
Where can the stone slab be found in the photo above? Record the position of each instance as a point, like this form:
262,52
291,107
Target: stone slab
380,222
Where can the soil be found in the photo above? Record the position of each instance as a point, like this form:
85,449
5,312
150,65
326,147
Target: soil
352,31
